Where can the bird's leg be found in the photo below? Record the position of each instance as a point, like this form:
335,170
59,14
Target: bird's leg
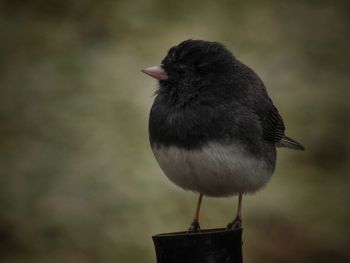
195,227
237,222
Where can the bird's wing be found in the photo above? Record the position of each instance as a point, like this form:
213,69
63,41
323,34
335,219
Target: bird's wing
273,126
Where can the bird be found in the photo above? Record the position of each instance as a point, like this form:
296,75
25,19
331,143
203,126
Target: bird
213,128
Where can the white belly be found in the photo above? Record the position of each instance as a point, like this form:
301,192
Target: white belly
214,170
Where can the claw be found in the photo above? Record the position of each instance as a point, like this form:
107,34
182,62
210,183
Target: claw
235,224
194,227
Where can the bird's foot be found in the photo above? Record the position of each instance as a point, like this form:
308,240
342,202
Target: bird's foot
235,224
194,227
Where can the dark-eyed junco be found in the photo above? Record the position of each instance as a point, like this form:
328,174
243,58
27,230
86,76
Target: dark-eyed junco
213,128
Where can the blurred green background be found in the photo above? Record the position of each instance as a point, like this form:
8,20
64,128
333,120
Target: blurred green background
78,181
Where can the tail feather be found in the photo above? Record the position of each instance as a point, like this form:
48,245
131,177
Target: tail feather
290,143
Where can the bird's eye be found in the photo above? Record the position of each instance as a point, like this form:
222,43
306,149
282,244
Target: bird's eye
181,70
203,65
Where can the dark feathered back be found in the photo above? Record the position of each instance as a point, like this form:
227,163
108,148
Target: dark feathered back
210,95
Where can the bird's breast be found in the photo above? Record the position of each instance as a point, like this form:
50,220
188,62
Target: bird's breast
189,127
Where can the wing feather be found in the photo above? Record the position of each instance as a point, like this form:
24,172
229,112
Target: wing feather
273,126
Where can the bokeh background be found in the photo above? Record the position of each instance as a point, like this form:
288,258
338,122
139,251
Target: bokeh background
78,181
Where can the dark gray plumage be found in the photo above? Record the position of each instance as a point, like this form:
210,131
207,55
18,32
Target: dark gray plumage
213,128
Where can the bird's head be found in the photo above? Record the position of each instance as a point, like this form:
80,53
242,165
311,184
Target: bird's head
191,66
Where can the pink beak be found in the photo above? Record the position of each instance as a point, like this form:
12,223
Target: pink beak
156,72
